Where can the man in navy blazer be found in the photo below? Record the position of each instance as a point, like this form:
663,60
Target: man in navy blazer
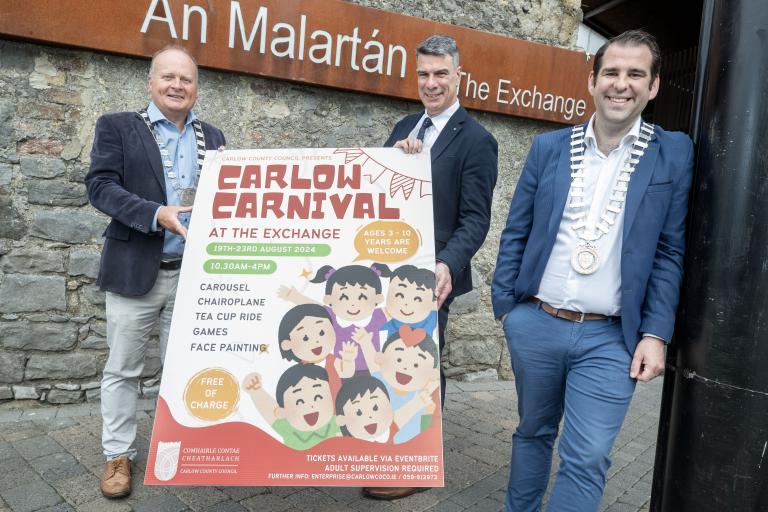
144,171
588,275
464,169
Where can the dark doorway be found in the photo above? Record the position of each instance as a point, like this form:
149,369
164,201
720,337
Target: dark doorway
676,25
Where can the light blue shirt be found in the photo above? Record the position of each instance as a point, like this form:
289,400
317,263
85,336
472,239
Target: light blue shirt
429,324
413,426
182,151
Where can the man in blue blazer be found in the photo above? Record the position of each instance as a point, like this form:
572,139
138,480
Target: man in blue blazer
144,170
588,275
464,169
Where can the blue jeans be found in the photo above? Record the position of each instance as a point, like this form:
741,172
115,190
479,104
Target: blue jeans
567,370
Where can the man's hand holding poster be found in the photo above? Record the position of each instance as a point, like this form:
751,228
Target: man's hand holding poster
303,346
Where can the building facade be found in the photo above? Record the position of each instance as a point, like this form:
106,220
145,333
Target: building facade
52,328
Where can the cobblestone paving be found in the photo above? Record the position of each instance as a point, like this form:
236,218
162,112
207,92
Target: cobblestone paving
50,460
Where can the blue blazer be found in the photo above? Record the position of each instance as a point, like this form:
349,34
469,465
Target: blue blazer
652,239
464,169
126,182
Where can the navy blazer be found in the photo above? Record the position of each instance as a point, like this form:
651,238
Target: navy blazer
464,169
652,239
126,182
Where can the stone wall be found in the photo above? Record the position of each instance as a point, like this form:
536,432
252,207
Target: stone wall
52,329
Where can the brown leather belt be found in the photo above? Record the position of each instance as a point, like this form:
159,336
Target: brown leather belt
567,314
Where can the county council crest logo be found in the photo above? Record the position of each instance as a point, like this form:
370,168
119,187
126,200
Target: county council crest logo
167,460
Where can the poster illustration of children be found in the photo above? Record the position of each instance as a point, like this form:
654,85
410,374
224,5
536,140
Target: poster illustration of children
407,365
411,300
303,410
307,336
363,409
302,348
352,296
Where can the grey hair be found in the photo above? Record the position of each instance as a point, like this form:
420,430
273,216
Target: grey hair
439,45
166,48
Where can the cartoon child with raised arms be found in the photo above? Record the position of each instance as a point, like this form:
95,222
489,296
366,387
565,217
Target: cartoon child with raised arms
306,335
352,294
407,366
411,300
364,410
303,412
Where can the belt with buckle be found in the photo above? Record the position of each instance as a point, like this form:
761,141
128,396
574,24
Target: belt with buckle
174,264
567,314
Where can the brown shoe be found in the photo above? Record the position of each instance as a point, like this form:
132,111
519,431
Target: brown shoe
391,493
116,482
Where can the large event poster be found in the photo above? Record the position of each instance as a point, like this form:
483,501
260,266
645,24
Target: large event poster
303,348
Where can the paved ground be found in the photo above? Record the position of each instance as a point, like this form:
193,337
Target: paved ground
50,460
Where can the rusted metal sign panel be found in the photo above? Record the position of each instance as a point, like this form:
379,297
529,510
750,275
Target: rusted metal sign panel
324,42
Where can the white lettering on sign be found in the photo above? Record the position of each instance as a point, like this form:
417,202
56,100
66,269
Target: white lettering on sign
203,22
535,99
168,19
252,30
474,90
236,15
324,48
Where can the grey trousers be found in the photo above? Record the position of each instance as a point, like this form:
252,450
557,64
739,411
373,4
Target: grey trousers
130,321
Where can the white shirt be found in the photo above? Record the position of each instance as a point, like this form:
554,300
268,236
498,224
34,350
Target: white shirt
600,292
343,322
381,438
438,123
